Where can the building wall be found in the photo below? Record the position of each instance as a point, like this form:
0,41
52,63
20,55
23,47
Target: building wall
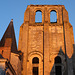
45,40
16,63
6,49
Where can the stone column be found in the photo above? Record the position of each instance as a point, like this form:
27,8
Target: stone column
46,49
25,47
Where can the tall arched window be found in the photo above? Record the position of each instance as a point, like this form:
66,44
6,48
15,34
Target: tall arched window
58,66
53,16
38,16
35,61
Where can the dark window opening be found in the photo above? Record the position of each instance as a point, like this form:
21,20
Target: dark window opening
53,17
58,70
38,16
58,66
35,60
57,60
35,70
2,51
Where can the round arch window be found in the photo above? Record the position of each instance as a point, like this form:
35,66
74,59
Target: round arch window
35,60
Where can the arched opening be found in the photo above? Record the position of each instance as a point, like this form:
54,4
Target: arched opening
58,66
35,60
38,16
53,16
57,60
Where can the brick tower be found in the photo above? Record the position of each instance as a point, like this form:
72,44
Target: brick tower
47,46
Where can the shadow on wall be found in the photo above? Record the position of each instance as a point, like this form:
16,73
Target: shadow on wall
63,64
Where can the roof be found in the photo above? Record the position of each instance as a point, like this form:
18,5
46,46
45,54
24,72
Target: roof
9,33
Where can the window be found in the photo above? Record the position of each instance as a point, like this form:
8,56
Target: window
58,66
35,70
53,16
35,60
2,51
38,16
57,60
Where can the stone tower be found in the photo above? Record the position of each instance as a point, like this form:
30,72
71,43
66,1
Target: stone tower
47,46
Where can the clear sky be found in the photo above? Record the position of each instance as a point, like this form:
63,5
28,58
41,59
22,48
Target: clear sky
14,9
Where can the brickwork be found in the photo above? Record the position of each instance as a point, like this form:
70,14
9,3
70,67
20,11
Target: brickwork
6,50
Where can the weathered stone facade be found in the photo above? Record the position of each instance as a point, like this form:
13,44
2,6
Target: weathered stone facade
45,48
46,41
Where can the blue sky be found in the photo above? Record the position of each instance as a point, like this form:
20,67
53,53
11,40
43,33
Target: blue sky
14,9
